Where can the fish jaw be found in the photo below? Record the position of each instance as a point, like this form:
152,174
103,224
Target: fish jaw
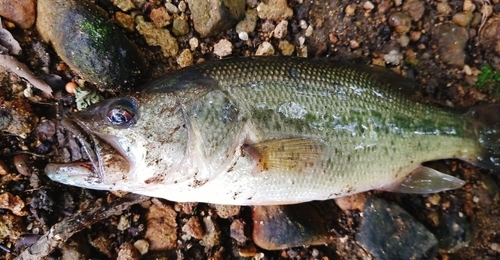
80,174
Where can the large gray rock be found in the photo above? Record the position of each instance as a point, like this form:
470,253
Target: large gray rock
210,17
389,232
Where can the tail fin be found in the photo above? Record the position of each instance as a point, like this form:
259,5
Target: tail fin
485,122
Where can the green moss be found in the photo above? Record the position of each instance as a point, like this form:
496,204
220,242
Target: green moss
487,76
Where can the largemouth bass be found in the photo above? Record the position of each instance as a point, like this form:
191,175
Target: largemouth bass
263,131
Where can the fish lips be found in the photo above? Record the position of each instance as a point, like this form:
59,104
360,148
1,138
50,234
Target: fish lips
106,158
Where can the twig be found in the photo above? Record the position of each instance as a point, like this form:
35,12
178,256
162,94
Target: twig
18,68
63,230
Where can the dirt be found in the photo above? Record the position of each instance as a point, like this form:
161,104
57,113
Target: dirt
354,31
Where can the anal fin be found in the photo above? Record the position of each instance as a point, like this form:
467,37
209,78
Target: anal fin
285,155
426,180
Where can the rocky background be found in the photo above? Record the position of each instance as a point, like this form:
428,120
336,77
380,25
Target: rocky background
450,48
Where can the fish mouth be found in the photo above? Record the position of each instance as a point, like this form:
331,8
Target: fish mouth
103,152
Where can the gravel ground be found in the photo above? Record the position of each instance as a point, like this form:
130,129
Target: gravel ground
450,48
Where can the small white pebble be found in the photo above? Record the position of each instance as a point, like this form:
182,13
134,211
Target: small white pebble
303,24
368,5
281,29
394,57
398,2
404,40
302,40
467,70
309,31
142,246
475,199
265,49
182,6
28,92
243,36
171,8
193,43
460,214
495,247
350,10
223,48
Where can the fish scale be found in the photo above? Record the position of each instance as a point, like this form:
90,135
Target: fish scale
266,131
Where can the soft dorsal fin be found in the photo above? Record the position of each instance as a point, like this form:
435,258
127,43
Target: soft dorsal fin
285,155
426,180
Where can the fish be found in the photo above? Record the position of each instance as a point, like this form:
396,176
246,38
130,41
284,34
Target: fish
274,131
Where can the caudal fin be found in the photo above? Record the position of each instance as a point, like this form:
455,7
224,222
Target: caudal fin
485,122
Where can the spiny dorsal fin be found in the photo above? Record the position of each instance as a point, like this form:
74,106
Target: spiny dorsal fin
285,155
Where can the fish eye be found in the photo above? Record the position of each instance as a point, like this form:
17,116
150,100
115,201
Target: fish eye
120,116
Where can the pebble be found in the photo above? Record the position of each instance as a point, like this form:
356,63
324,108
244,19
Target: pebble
223,48
415,8
11,226
490,35
415,36
185,58
142,246
193,228
13,203
124,5
280,227
462,19
274,10
227,211
451,41
453,232
401,22
404,40
468,6
248,23
384,6
125,21
127,251
21,12
193,43
350,10
368,5
309,31
159,17
443,8
265,49
286,48
281,29
302,51
212,232
4,170
171,8
243,36
124,222
182,6
237,231
394,57
161,229
212,17
157,37
180,26
17,117
389,232
353,202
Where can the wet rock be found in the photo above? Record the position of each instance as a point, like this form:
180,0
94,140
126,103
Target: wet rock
11,226
157,37
350,10
227,211
394,57
12,203
21,162
125,21
443,8
159,17
193,228
79,32
171,8
265,49
185,58
9,42
451,40
453,232
415,8
275,10
389,232
248,23
401,22
180,26
127,251
286,48
20,117
214,16
21,12
161,230
124,5
237,231
280,227
462,19
490,40
223,48
212,232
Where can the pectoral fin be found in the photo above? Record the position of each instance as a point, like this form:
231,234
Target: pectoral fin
285,155
426,180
